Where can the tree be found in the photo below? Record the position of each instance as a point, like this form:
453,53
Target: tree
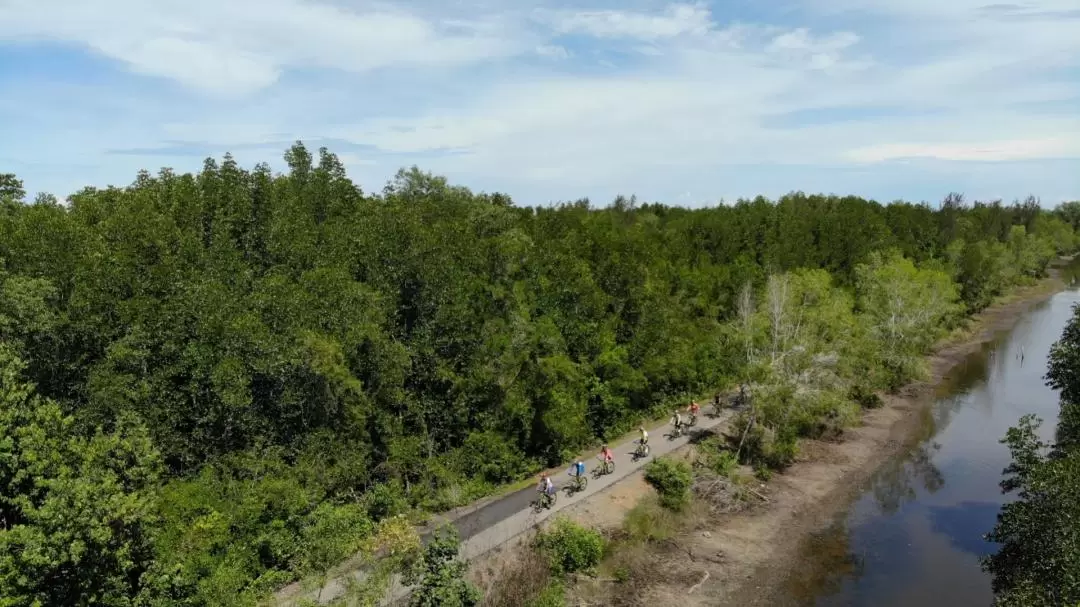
440,576
672,480
1038,564
907,308
76,513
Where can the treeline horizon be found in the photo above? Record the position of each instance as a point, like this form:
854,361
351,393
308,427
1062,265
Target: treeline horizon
235,375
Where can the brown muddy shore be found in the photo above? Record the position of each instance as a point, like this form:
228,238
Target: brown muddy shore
747,558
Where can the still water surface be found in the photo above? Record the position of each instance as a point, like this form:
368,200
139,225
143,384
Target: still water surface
914,535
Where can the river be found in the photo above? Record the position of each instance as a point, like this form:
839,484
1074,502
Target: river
913,535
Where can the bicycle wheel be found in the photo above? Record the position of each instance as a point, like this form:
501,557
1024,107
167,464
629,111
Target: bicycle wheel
693,420
582,483
609,467
551,502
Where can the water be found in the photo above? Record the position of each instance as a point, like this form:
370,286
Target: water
914,535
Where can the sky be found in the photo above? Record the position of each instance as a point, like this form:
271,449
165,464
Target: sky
548,100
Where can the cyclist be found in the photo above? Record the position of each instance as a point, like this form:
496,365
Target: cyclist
579,468
644,440
694,408
546,487
676,420
606,455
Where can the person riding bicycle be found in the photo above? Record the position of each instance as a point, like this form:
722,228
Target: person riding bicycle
694,408
606,455
644,440
546,487
676,420
579,468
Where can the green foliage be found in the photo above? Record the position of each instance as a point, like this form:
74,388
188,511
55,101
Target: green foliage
311,360
672,480
553,595
907,308
570,547
75,513
716,457
440,575
648,521
866,398
1039,560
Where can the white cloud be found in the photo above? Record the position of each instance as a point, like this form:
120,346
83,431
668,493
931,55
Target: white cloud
800,39
240,46
552,51
986,151
676,20
656,101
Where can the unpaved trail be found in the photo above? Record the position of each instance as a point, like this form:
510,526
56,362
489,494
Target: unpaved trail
495,522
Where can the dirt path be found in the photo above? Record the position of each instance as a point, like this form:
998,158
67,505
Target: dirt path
749,555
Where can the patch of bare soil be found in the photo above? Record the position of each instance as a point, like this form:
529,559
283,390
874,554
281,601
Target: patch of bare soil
741,559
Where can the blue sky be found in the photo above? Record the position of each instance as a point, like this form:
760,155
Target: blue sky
685,103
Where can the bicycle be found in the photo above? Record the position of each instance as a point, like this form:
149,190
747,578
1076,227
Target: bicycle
606,467
577,484
692,421
677,432
642,450
544,501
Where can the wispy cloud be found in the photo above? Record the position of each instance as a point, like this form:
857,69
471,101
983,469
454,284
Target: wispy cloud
676,20
241,46
547,101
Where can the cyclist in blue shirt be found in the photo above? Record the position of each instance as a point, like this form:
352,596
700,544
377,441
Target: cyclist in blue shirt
579,468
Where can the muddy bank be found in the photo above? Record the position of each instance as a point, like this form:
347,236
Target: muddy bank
748,555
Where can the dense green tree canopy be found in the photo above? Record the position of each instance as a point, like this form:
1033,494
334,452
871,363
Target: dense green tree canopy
1038,564
285,359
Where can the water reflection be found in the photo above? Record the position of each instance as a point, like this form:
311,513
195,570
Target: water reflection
832,562
964,524
914,534
894,483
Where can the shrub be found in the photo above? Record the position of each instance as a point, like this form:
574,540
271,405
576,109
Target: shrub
384,500
440,575
647,521
553,595
571,547
865,397
769,447
671,479
716,457
762,472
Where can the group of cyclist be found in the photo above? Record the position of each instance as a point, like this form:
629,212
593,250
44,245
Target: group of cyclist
607,458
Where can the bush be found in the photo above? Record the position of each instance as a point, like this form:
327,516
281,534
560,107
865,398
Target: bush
717,457
671,479
768,447
553,595
865,397
384,500
647,521
763,473
440,575
571,547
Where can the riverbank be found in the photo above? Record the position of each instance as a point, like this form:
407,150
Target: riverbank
743,558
